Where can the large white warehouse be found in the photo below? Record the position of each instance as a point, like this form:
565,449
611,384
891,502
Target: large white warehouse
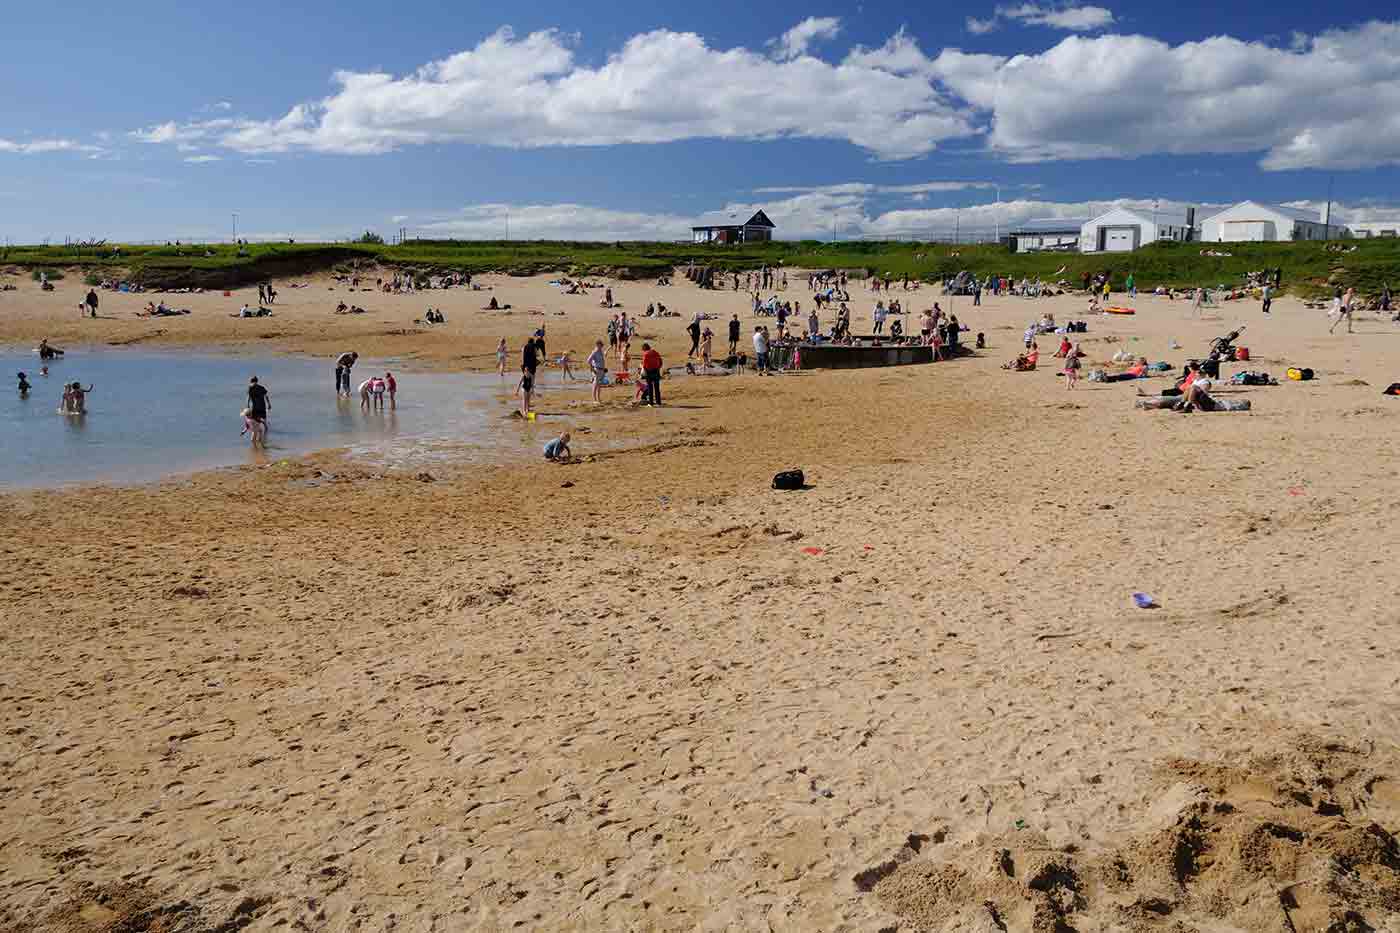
1122,230
1253,222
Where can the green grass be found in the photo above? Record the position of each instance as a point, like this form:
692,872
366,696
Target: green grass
1307,267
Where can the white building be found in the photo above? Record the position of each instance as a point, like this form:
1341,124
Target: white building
1254,222
1122,230
1052,233
1375,228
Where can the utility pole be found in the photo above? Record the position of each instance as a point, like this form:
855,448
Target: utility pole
996,218
1327,220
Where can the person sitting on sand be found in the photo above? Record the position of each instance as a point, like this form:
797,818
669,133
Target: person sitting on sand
1064,348
1024,362
557,450
492,305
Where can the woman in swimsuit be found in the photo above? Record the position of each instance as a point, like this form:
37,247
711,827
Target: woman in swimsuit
501,357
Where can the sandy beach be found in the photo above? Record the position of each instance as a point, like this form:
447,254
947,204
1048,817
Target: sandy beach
647,692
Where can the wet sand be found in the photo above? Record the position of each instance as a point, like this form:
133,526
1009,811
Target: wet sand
645,691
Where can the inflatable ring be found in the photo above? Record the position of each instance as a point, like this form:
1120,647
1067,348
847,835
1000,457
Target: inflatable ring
1119,311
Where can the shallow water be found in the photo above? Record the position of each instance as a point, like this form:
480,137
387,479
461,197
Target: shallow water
154,414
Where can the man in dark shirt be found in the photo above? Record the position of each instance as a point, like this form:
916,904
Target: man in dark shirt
343,364
734,335
529,358
257,401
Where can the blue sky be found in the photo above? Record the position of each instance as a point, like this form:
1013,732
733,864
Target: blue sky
629,119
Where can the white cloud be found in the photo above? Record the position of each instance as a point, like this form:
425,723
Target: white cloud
1068,18
795,42
41,146
1125,96
660,86
1327,101
203,159
260,161
552,222
834,211
223,105
1071,18
398,218
860,187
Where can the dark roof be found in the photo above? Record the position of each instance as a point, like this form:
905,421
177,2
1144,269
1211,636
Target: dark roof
719,220
1051,225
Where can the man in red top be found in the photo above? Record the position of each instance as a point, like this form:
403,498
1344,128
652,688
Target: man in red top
651,372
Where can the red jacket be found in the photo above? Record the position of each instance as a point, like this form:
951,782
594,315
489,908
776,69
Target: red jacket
651,360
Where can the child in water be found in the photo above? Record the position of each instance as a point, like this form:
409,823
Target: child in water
525,388
558,449
393,387
23,385
253,427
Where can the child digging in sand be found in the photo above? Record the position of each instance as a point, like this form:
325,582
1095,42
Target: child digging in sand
558,449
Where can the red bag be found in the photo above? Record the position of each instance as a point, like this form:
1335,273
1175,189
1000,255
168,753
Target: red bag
1241,354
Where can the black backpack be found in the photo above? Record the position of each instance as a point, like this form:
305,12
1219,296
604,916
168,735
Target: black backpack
789,479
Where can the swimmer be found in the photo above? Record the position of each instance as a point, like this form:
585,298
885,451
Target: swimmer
558,449
393,387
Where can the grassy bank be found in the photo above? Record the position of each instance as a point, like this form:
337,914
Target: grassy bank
1307,267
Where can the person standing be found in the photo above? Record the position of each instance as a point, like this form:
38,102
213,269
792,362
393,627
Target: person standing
693,329
1132,286
525,388
91,302
760,349
598,367
258,406
529,359
734,335
1341,308
651,372
343,365
1268,297
976,291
